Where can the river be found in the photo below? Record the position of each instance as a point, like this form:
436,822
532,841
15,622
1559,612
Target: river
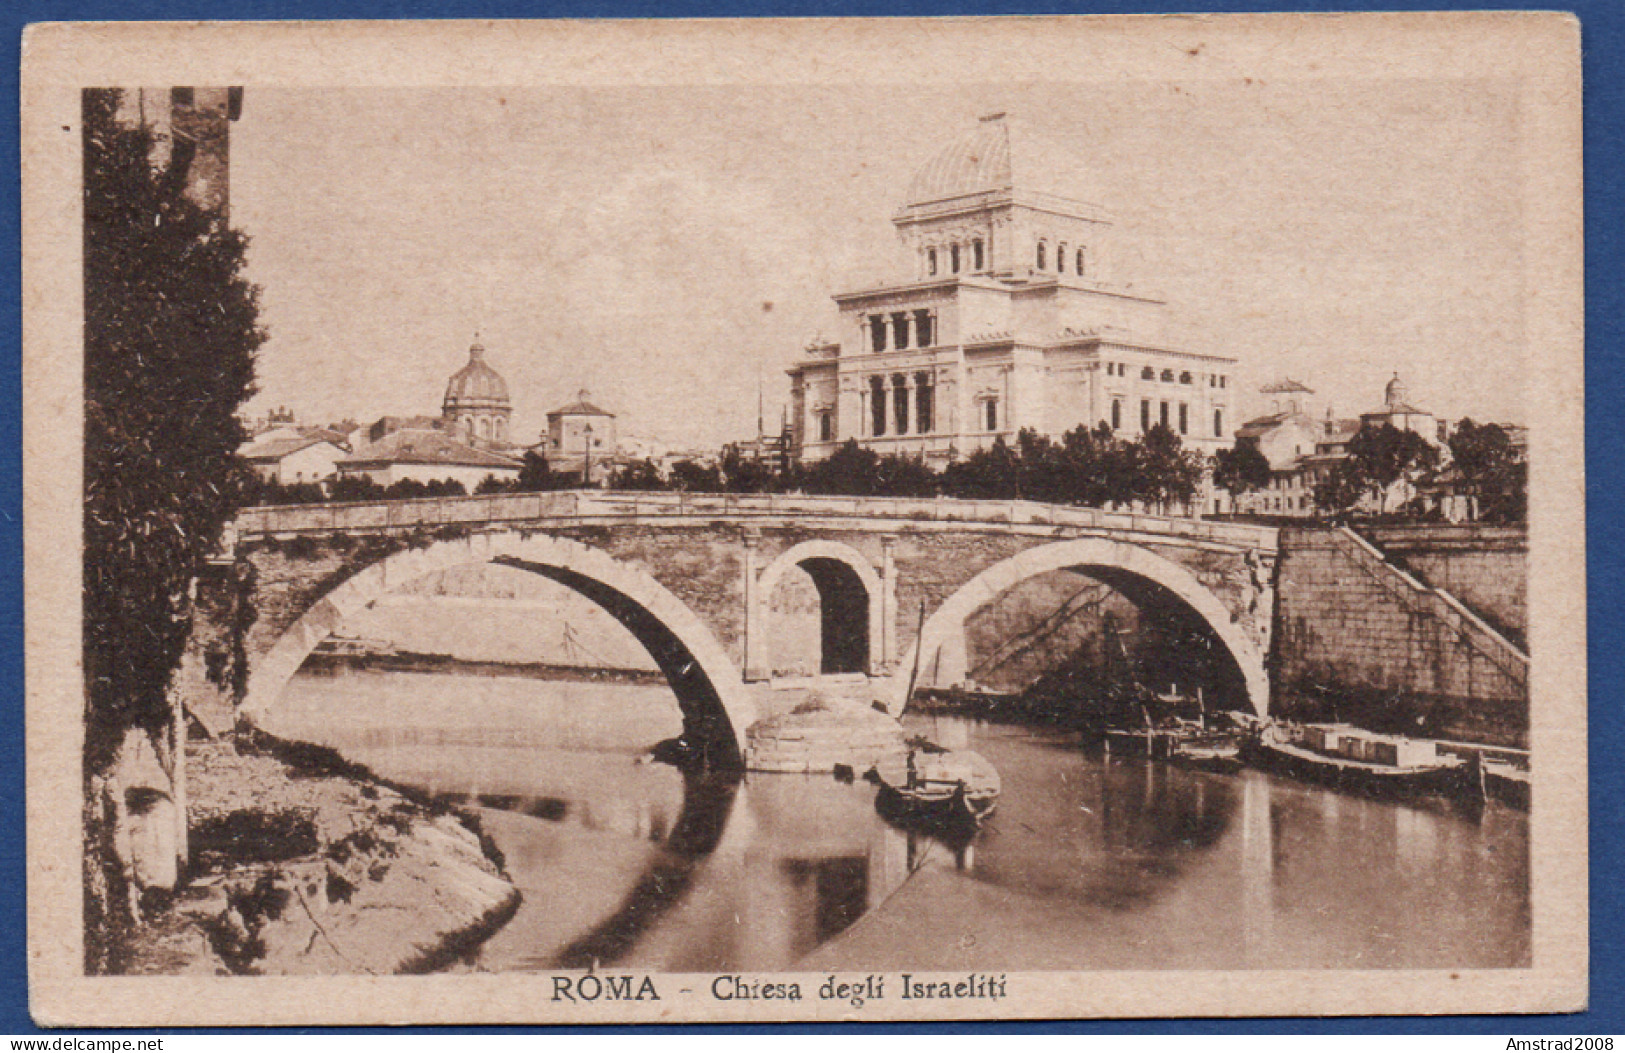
1089,863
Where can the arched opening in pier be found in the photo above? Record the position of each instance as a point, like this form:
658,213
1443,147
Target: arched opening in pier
1141,622
822,602
708,691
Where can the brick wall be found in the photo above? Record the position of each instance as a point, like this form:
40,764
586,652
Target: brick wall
1359,639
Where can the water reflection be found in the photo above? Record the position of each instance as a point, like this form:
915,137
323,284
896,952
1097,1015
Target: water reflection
1090,862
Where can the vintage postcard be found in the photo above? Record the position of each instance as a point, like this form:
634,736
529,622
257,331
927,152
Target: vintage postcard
804,520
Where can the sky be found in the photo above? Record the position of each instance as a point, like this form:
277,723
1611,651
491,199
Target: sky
671,250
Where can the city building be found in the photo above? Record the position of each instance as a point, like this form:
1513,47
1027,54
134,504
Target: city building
580,436
476,409
1287,436
426,455
192,136
1013,319
1401,414
1303,451
306,456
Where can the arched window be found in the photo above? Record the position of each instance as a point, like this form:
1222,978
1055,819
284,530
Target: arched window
977,262
1060,258
1117,414
1167,376
953,257
1218,424
1079,270
826,426
1148,373
1184,378
1043,256
877,406
931,262
899,393
877,332
992,413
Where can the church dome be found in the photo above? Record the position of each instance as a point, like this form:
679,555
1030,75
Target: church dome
996,157
1395,394
476,384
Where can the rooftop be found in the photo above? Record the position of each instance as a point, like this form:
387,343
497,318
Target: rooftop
426,446
996,157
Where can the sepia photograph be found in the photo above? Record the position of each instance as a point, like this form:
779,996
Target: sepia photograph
732,521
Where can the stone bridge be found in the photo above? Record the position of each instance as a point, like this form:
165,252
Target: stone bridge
691,576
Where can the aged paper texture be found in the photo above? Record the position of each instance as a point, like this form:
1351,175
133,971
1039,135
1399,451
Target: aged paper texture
804,520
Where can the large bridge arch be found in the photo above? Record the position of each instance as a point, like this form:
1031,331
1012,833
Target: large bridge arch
837,570
1120,564
717,709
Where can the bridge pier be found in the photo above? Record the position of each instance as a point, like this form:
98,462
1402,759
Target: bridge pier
755,667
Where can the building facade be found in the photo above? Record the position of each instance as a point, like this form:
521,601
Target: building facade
191,129
581,437
426,455
1013,319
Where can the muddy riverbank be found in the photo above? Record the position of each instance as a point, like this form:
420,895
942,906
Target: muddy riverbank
304,863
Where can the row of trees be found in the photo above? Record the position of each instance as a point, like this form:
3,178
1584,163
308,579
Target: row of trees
1093,468
1085,467
1484,467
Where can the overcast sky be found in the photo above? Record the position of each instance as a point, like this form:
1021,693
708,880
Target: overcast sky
663,247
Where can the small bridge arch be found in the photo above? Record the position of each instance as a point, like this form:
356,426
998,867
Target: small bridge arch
1126,566
716,708
851,599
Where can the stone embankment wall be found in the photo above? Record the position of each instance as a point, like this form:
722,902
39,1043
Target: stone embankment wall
1360,639
1485,567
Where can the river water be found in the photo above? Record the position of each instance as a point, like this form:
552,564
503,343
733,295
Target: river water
1090,862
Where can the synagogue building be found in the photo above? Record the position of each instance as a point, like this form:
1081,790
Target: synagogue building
1014,318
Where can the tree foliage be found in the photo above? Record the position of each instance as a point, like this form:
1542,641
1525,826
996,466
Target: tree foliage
1241,469
171,333
1379,456
1492,471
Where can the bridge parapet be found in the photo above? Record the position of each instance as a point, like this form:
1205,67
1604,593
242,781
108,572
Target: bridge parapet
572,507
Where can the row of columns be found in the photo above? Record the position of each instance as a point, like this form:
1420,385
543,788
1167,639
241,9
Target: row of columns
898,327
885,414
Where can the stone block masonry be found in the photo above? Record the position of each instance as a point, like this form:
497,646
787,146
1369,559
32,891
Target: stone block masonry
1485,567
1360,639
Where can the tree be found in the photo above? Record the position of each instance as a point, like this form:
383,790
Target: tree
354,488
171,330
638,475
535,474
991,474
1492,471
1241,469
1379,457
904,477
1165,472
695,477
745,475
